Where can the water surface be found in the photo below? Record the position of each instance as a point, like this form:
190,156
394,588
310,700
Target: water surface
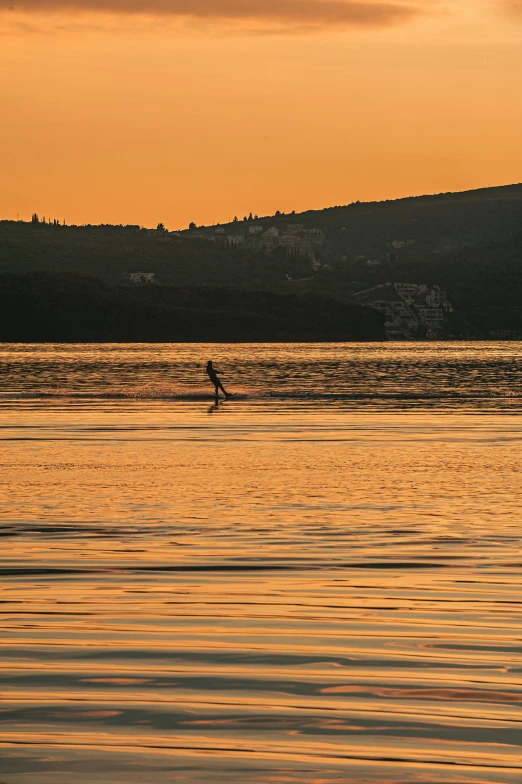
316,581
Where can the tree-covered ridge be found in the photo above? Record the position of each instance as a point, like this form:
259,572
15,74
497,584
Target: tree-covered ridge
469,244
65,307
434,221
111,252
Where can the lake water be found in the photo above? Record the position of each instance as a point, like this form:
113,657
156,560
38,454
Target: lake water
316,581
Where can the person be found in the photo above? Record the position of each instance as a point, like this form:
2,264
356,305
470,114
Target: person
212,374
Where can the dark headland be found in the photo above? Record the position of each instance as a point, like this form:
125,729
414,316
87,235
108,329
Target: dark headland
67,307
444,266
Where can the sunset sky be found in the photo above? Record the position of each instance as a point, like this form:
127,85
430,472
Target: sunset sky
139,111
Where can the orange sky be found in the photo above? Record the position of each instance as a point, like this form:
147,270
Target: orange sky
139,111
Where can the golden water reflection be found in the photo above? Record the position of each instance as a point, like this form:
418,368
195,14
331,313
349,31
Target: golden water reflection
287,590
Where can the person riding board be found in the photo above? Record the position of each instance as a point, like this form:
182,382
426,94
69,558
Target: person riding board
212,374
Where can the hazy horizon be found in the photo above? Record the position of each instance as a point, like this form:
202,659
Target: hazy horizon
123,112
49,217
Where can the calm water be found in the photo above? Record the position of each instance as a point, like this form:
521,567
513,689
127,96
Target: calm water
317,581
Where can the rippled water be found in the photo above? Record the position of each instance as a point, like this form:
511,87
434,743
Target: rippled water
316,581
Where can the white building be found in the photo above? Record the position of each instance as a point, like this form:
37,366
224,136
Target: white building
294,228
141,277
290,241
438,299
410,291
409,306
431,317
235,239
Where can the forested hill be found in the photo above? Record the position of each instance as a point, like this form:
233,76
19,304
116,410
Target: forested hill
469,244
42,307
435,223
111,252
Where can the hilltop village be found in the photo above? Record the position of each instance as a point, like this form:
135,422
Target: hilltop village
295,239
411,310
432,267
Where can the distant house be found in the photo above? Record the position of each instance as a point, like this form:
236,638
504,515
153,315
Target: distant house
294,228
235,239
408,306
409,291
290,242
140,277
400,319
437,298
219,230
313,239
254,229
431,317
268,240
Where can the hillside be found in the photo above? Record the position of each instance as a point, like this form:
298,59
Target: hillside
110,252
469,244
434,223
41,307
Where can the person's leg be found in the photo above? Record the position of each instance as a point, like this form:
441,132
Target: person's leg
222,388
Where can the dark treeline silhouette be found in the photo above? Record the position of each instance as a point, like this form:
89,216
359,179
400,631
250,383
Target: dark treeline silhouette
482,214
65,307
470,244
109,252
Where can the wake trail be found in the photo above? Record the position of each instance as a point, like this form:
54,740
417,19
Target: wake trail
176,394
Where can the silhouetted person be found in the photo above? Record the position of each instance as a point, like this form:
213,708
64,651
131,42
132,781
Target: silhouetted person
212,374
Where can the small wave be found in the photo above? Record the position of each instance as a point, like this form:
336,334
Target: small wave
453,395
166,393
141,393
